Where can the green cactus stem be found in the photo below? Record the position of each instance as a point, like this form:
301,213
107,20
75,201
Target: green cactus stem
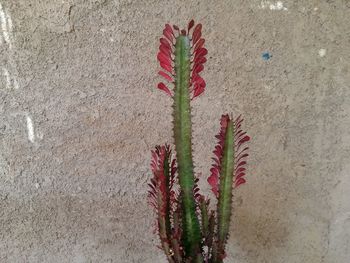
225,188
183,144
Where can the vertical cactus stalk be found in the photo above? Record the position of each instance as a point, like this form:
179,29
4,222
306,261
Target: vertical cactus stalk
183,144
227,172
225,187
183,60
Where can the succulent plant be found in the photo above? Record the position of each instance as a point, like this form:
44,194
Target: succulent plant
189,230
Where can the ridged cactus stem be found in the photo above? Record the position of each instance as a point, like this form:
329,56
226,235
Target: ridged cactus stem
183,144
225,190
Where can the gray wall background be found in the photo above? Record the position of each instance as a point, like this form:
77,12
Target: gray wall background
79,114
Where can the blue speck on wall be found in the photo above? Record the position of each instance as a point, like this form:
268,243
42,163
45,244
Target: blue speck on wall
266,56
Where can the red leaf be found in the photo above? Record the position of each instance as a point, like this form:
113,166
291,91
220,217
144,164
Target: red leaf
198,68
198,91
241,163
201,52
240,135
165,50
166,76
199,44
196,33
213,182
245,139
240,169
166,67
198,80
238,121
239,182
241,141
168,35
197,60
169,29
218,151
164,88
214,170
241,157
239,175
163,58
190,25
200,60
165,42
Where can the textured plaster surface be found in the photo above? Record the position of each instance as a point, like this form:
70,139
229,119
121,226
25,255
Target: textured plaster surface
79,114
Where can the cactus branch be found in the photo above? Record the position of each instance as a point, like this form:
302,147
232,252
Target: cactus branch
183,144
227,172
161,195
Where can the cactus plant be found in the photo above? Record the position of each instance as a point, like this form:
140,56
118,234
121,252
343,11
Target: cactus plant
189,230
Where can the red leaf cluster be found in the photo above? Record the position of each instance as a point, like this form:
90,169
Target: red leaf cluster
161,186
241,155
213,179
166,54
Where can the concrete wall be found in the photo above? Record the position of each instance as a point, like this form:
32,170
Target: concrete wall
79,114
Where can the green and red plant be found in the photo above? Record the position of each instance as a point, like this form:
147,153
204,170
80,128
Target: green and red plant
189,230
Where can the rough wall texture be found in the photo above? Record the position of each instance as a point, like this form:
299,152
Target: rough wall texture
79,114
